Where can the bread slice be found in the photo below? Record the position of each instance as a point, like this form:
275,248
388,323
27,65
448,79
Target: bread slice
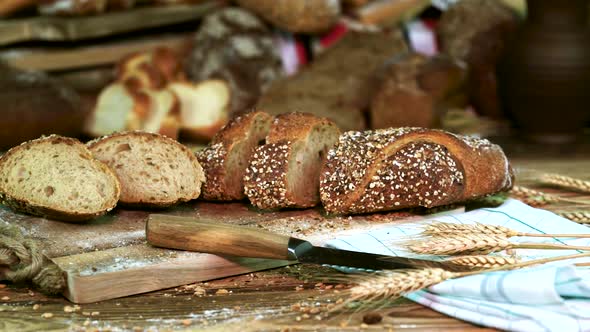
226,158
154,170
204,107
398,168
285,171
57,177
120,108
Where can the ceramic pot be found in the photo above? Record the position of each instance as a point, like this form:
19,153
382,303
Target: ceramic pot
544,75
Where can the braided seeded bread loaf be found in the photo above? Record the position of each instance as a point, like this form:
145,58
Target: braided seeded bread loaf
407,167
285,171
226,158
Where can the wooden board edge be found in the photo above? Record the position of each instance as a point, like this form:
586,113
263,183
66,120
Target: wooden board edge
164,275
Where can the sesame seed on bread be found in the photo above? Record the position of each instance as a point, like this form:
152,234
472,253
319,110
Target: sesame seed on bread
226,158
57,177
154,170
285,171
397,168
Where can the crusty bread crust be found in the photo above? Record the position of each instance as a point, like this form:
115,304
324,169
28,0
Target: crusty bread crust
28,207
407,167
199,176
267,184
214,158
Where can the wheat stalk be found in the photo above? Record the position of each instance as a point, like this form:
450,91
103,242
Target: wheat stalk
393,284
582,217
482,261
465,244
566,182
538,198
444,229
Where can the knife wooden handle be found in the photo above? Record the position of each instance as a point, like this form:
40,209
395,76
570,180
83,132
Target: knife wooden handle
215,238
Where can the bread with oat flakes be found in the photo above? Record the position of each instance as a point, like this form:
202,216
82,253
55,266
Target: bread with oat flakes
154,170
57,177
398,168
228,154
285,171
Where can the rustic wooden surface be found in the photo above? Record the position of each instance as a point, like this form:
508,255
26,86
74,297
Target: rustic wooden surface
260,301
49,28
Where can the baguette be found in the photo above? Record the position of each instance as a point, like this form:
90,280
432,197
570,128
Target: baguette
154,170
226,158
57,177
399,168
285,171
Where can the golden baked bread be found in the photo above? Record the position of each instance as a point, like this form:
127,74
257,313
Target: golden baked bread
154,170
227,156
57,177
285,171
398,168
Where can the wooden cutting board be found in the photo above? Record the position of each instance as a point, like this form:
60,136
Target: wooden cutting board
108,258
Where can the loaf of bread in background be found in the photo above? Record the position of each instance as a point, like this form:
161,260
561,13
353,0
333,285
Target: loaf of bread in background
398,168
154,170
477,31
228,155
58,178
204,107
337,84
234,45
412,90
120,108
299,16
33,104
285,171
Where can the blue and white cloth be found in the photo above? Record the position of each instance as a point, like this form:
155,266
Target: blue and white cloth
550,297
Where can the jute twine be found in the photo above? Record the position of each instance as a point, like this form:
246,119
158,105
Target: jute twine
21,260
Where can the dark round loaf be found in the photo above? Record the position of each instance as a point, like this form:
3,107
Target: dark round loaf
234,45
33,104
476,32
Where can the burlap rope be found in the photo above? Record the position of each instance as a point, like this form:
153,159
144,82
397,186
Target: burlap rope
23,261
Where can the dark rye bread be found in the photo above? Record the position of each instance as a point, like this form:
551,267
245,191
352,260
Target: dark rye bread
226,158
154,170
398,168
57,177
285,171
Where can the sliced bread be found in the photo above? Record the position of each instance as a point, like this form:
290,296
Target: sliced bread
285,171
154,170
226,158
57,177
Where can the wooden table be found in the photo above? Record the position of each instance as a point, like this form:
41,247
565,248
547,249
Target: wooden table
257,301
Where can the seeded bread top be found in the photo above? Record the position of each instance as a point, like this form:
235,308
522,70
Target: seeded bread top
353,164
294,126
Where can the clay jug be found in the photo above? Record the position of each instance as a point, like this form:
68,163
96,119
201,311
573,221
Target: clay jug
544,76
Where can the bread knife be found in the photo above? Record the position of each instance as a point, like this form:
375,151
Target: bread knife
192,234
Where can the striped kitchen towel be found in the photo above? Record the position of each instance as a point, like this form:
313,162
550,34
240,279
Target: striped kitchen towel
550,297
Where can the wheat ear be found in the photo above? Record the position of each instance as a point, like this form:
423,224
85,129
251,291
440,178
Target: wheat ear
445,229
582,217
566,182
395,283
476,244
538,198
482,261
